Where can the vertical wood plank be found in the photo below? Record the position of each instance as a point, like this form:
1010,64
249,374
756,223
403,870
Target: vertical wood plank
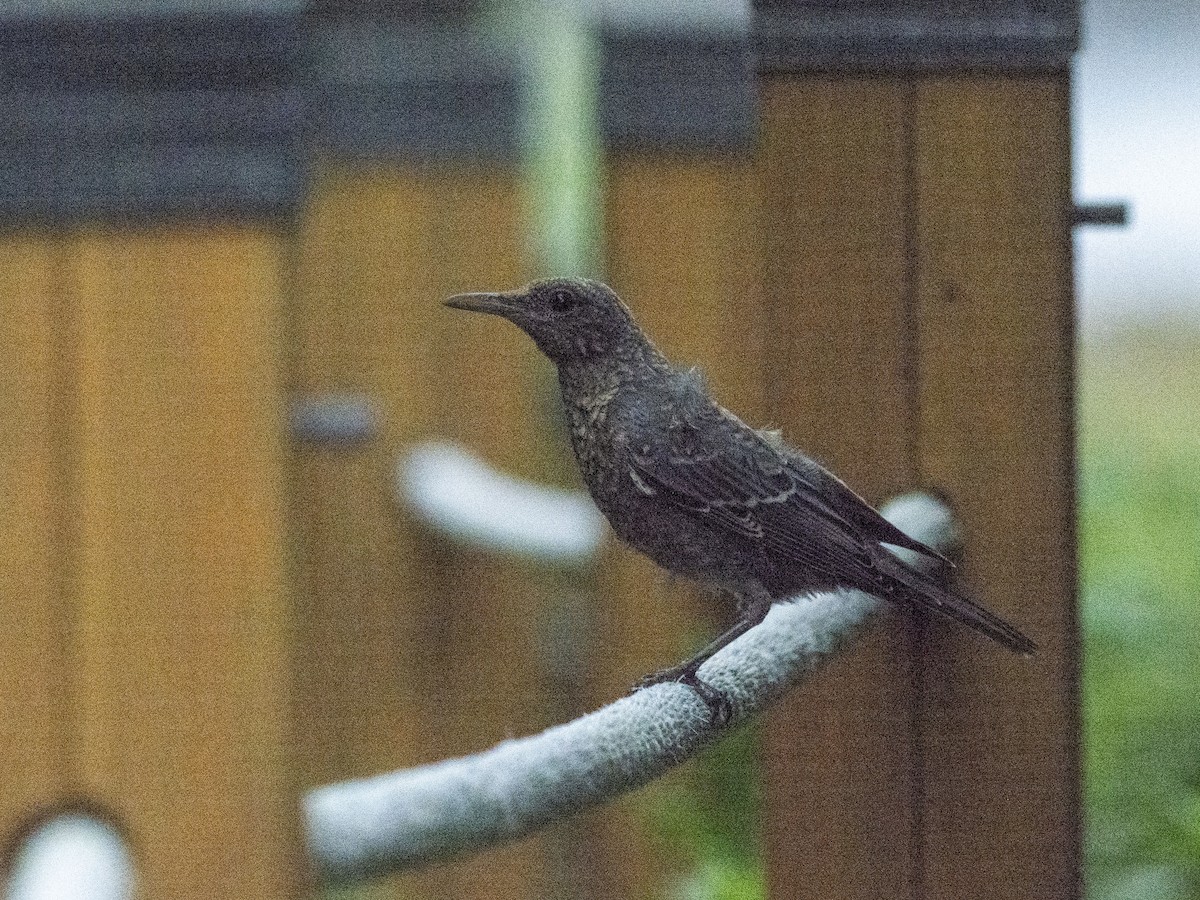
493,389
362,318
681,235
413,650
840,816
183,620
34,453
682,249
999,732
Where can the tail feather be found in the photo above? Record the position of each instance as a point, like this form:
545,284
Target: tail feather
900,582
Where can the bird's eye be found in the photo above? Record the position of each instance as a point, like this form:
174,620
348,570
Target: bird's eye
561,300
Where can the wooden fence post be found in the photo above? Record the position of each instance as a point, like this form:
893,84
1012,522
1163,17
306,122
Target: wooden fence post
1000,734
917,207
35,607
839,750
181,634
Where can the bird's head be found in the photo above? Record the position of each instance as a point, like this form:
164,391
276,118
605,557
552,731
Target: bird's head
570,319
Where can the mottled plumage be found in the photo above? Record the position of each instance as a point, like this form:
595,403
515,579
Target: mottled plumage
705,496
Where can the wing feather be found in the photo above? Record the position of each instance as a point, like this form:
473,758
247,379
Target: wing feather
801,516
727,475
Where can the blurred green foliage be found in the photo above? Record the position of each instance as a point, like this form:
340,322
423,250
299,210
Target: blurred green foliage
709,820
1139,469
562,147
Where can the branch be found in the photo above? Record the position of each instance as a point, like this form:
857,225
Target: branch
359,829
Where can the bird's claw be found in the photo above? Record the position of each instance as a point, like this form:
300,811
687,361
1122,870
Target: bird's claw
720,710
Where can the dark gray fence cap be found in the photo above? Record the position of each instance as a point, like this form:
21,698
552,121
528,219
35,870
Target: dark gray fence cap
677,90
394,90
115,116
914,36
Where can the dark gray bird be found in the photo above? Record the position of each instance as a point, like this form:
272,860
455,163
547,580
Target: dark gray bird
705,496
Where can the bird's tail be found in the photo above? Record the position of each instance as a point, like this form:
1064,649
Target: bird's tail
902,583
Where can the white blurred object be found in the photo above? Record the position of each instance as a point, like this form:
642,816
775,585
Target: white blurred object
71,857
460,495
928,515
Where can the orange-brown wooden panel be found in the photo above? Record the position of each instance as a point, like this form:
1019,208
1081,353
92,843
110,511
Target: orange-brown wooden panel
34,452
839,818
183,621
492,387
999,732
361,320
682,248
413,649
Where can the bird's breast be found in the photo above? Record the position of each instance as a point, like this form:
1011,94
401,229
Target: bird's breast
608,429
595,436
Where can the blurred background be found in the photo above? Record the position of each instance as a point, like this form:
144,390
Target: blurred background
1138,295
226,229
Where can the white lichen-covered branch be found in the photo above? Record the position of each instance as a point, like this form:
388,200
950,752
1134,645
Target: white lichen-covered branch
358,829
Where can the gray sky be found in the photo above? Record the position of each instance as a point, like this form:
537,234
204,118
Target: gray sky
1137,137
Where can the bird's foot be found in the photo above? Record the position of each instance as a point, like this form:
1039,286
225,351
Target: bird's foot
720,710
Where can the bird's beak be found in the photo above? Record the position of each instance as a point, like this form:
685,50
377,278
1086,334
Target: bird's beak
498,304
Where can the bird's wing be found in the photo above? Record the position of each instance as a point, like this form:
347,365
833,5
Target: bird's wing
729,476
836,495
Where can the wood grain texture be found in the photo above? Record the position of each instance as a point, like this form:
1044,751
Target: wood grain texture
181,642
923,229
840,821
491,387
682,248
413,649
1000,733
35,616
363,310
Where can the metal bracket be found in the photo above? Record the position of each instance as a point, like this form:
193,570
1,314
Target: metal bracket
338,420
1109,214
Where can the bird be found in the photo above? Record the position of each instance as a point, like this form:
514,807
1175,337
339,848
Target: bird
704,495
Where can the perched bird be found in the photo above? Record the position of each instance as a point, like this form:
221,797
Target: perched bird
704,495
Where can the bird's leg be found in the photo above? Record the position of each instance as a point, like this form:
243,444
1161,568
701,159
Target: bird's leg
751,611
688,668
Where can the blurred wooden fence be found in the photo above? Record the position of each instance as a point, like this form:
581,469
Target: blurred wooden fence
145,641
411,649
202,616
926,174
